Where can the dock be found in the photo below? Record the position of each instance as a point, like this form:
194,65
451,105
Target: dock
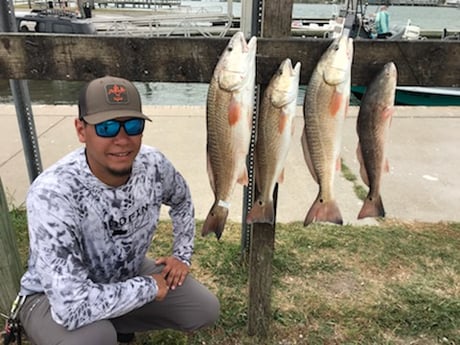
137,3
433,3
172,24
103,3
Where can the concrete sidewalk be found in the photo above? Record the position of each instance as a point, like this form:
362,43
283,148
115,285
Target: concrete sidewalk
423,183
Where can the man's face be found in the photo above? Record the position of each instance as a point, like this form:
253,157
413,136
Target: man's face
110,159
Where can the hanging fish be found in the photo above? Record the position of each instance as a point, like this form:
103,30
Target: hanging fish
229,110
275,129
325,107
374,119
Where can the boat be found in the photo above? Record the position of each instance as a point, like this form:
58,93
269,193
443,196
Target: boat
360,25
420,95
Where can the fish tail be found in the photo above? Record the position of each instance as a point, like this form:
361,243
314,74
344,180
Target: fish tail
372,207
215,221
322,211
261,212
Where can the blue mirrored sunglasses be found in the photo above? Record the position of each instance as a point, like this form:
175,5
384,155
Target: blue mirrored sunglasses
111,128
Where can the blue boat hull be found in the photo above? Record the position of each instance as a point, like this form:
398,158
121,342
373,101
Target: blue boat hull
420,96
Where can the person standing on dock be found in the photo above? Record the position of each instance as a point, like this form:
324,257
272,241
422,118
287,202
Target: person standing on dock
382,22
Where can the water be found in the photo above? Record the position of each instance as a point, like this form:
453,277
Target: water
427,17
64,92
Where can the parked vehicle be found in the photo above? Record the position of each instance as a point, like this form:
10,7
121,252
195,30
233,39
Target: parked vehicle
54,21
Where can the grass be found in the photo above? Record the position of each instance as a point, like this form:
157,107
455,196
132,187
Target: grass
396,283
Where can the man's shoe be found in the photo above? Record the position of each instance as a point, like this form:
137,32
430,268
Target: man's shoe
125,337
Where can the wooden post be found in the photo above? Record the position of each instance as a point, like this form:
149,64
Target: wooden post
10,261
261,252
276,23
277,18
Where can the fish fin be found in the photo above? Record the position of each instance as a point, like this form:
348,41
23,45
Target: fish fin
243,177
210,173
338,164
261,212
283,122
336,102
388,112
372,207
215,221
362,167
347,105
306,154
281,177
250,119
322,211
234,112
386,166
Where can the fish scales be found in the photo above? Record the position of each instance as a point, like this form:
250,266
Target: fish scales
374,119
275,130
228,124
220,146
325,107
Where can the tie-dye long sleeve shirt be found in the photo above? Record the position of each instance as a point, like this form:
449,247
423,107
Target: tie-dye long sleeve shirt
88,240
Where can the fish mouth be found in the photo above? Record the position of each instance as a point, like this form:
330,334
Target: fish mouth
337,71
390,69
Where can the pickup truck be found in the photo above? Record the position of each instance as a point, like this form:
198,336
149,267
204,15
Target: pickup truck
54,21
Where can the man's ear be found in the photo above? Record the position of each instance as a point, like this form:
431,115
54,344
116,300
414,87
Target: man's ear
80,127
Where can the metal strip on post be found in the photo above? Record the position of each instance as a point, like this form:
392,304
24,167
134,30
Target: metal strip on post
249,190
248,197
21,96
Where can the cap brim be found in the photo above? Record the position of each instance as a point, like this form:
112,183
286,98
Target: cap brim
110,115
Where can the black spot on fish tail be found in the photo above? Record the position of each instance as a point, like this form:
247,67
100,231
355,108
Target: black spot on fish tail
372,207
215,221
322,211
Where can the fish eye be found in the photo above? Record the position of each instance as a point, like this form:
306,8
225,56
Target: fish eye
336,47
230,49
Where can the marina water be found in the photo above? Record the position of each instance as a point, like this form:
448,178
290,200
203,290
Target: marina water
66,92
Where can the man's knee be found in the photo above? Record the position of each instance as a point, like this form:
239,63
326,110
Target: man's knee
206,316
97,333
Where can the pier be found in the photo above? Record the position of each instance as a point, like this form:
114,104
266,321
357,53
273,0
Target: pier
137,3
432,3
102,3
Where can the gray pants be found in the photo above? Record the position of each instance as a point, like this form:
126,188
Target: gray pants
188,307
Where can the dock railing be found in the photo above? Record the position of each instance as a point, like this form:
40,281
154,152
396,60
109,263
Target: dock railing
138,3
174,24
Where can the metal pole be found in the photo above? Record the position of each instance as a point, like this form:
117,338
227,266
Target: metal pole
230,8
21,96
248,198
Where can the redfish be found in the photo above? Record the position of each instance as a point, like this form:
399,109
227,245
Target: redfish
374,119
275,130
325,107
229,109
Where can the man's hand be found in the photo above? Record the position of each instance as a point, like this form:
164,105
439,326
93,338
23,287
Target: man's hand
174,271
162,287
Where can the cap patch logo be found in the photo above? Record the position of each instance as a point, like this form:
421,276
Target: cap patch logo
116,94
